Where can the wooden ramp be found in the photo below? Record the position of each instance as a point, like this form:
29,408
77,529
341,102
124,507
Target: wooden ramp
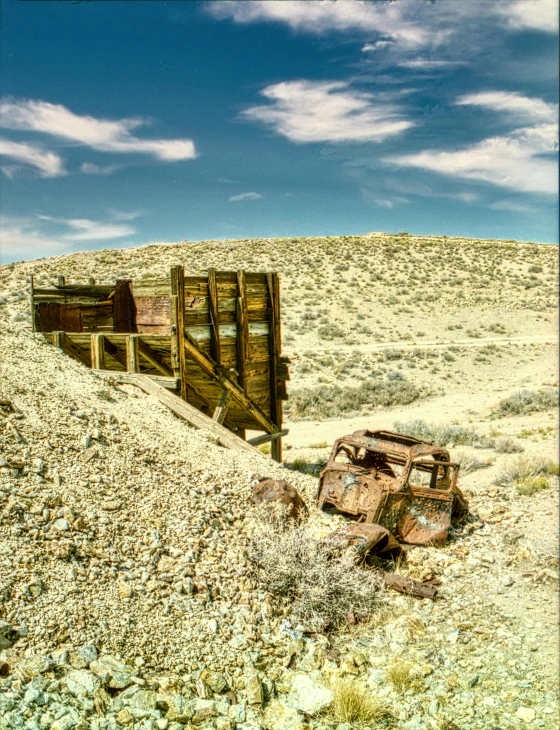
213,341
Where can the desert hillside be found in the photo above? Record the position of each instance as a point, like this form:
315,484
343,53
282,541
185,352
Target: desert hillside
129,596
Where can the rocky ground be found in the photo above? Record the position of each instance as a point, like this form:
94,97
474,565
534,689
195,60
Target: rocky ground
127,600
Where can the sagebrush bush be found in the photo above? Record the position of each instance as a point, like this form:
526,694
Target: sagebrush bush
527,401
442,435
329,401
531,485
507,445
321,582
524,468
471,462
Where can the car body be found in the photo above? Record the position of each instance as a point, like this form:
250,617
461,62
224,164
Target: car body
403,484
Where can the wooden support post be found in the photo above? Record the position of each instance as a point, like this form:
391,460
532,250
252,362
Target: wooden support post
178,315
266,437
132,354
221,408
58,339
242,340
91,280
213,307
97,344
124,308
154,359
60,280
274,350
208,366
61,340
32,303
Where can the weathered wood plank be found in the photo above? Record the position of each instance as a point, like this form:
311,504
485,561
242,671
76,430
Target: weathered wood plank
165,382
214,316
178,291
97,352
266,437
189,413
124,307
154,359
242,334
274,354
221,408
99,291
132,354
62,341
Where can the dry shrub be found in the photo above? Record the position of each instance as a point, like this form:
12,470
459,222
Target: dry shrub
321,583
527,401
531,485
353,704
401,675
471,462
507,445
442,435
525,468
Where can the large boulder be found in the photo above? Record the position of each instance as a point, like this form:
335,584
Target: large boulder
308,696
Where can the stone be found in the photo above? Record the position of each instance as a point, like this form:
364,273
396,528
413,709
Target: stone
112,671
180,709
83,656
124,588
527,714
507,580
254,690
308,696
32,666
7,635
61,525
81,683
278,716
204,710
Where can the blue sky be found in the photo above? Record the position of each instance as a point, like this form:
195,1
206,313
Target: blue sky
124,123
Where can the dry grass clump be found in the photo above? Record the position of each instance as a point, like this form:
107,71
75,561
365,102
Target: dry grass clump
329,401
507,445
353,704
401,675
523,472
442,435
471,462
321,584
527,401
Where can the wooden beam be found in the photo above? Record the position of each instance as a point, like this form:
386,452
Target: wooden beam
178,320
124,309
274,346
97,346
242,339
62,341
117,375
213,307
32,303
189,413
60,280
116,354
98,291
266,437
132,354
208,366
154,359
221,408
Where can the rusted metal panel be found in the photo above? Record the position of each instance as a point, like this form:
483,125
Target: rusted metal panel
404,485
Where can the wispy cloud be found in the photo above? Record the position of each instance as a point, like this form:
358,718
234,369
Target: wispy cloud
244,196
33,237
321,16
98,134
47,163
90,168
319,111
424,64
512,161
377,46
524,107
530,14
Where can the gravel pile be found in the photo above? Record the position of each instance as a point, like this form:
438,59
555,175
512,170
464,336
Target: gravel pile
126,599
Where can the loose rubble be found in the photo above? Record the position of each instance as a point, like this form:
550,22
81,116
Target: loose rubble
127,599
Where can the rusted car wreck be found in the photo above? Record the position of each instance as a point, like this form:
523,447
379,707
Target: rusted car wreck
405,485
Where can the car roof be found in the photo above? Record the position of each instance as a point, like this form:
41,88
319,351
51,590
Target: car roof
393,442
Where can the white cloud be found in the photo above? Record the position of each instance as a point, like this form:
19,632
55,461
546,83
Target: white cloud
422,64
99,134
90,168
245,196
378,45
512,161
320,16
521,106
318,111
31,238
530,14
47,163
511,205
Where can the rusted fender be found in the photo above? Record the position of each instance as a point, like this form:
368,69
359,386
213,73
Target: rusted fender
369,540
411,587
277,491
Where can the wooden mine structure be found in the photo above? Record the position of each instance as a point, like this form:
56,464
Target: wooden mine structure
209,346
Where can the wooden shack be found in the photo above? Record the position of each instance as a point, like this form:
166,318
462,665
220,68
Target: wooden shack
214,340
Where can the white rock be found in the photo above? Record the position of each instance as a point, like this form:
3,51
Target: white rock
81,683
278,716
308,696
527,714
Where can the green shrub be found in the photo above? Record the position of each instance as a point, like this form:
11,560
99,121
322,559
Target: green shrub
525,468
527,401
442,435
531,485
